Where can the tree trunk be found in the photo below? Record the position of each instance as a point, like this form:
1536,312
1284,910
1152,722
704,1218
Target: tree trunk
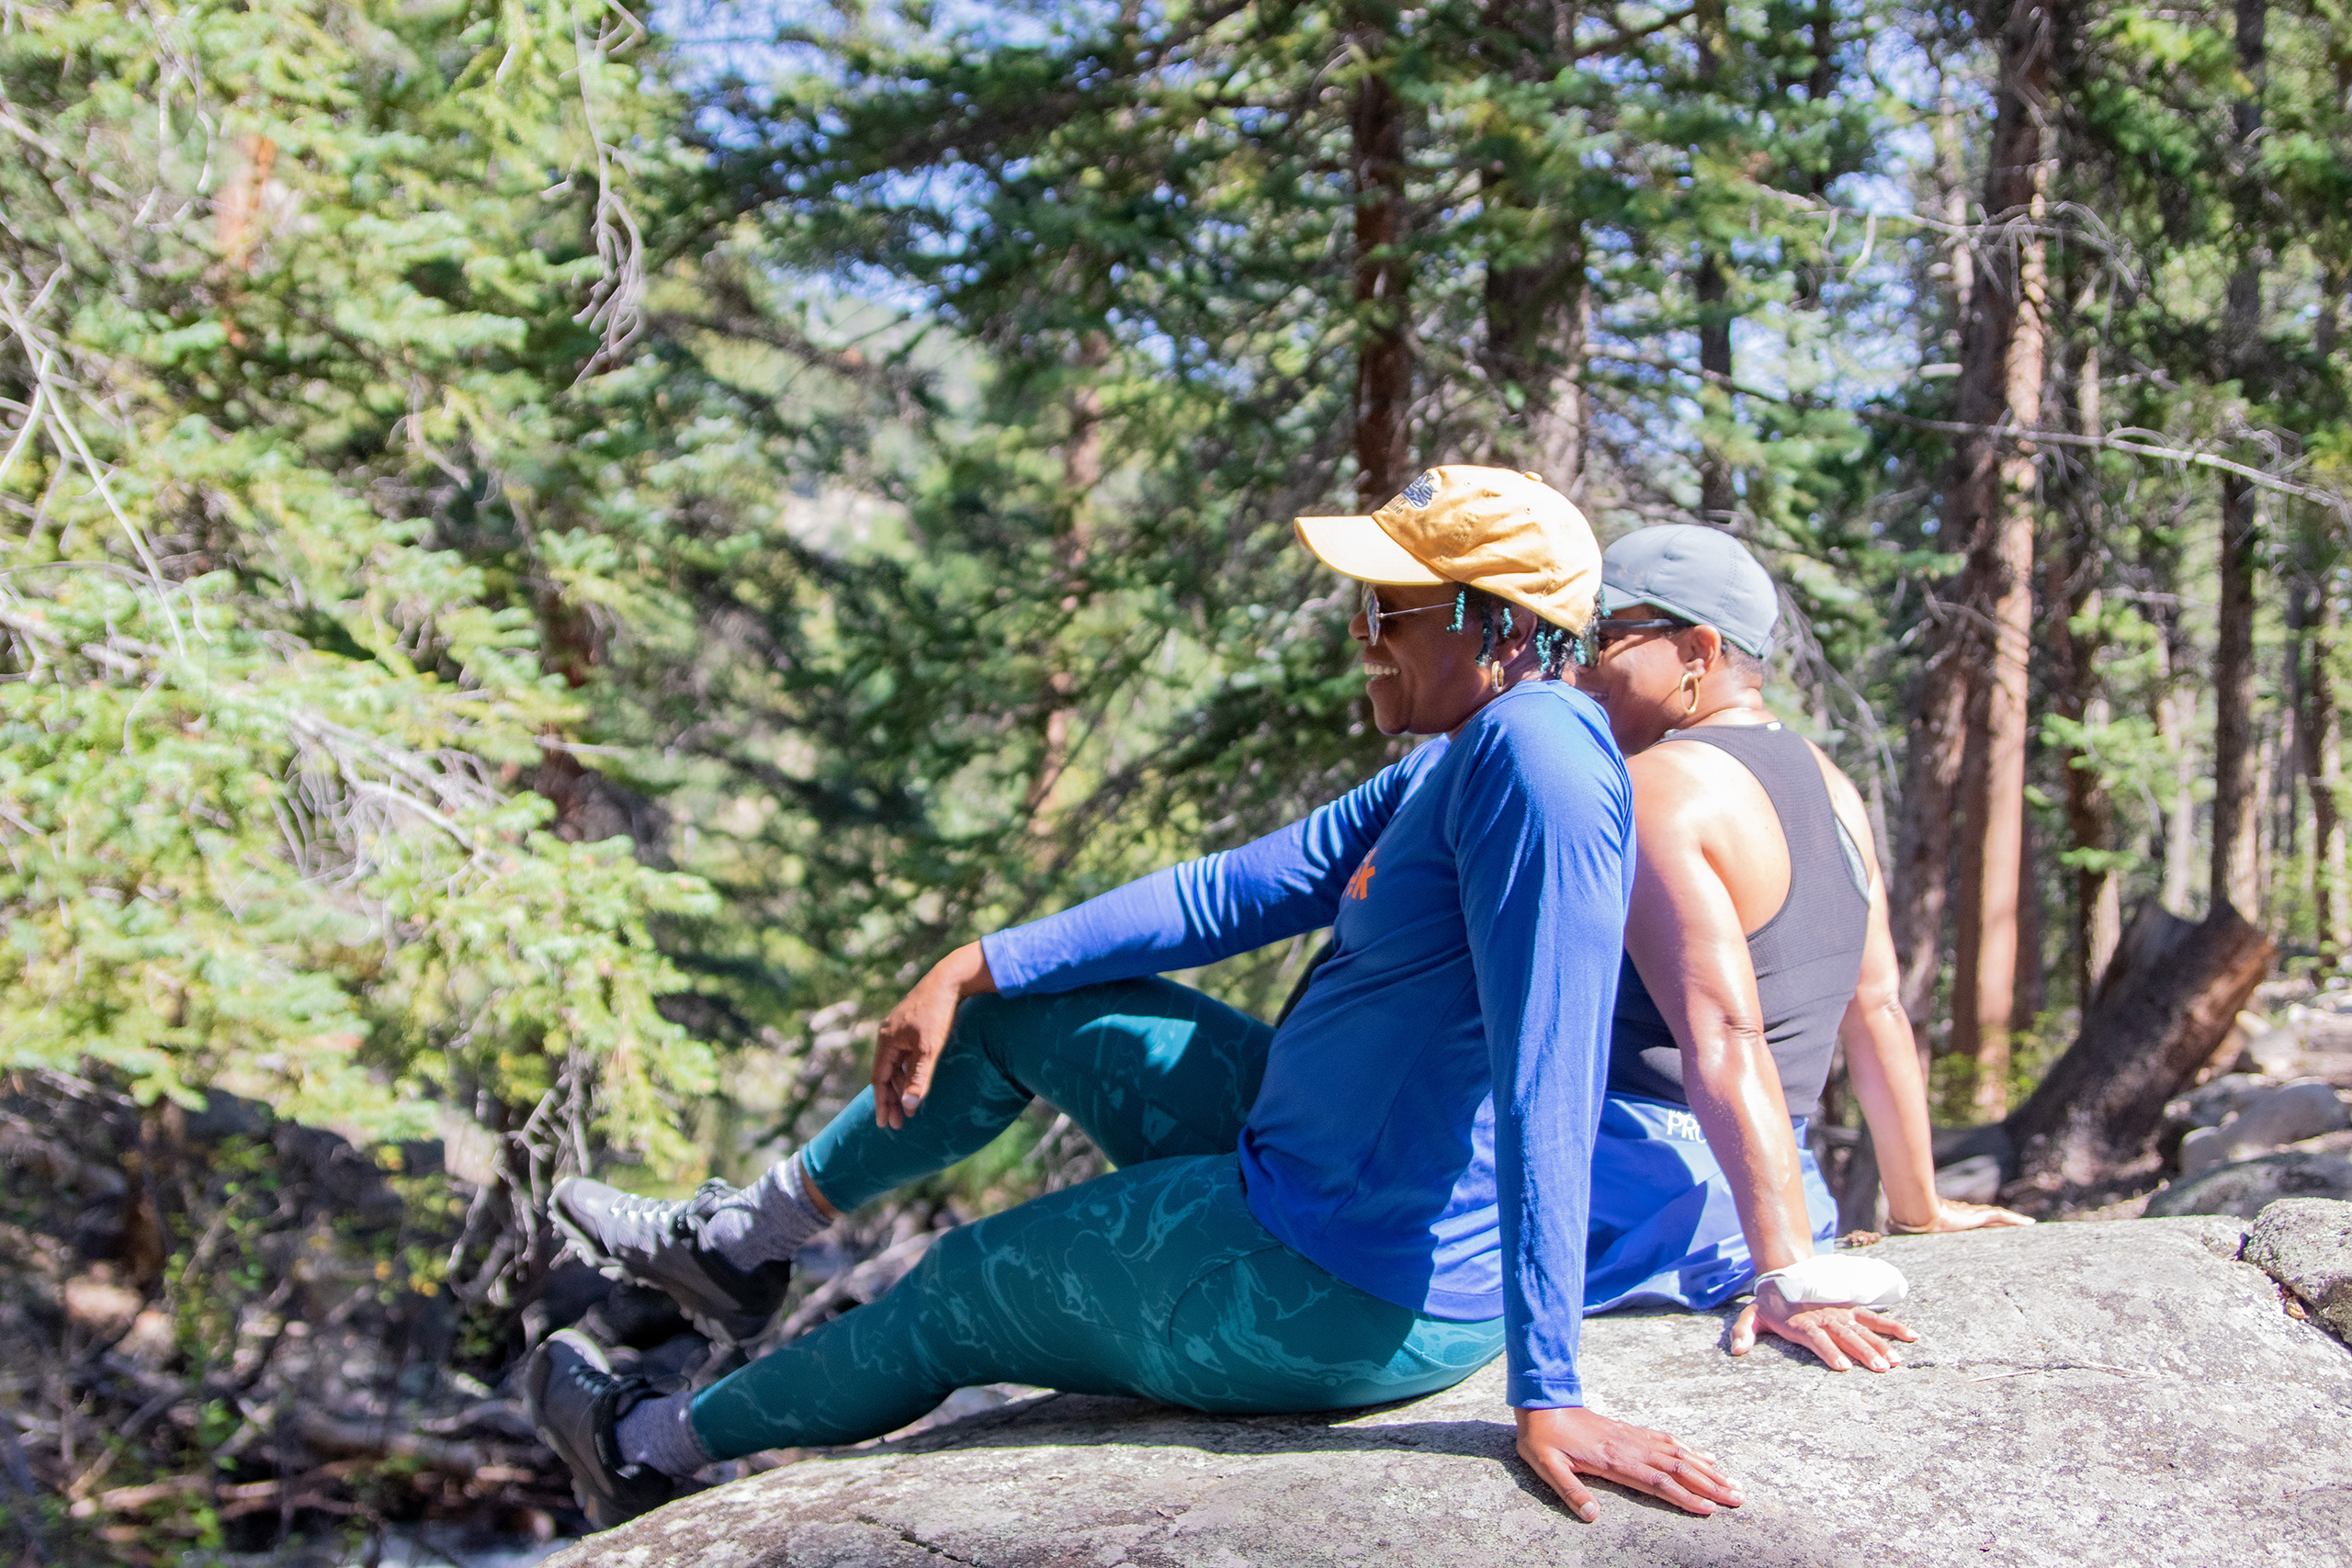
1718,498
2176,721
2269,739
2235,875
1711,288
1383,341
1959,255
2175,715
2333,284
1538,320
1861,1197
2033,980
1990,504
2319,757
1922,880
1919,887
1538,301
2161,1010
2098,892
1821,80
2073,595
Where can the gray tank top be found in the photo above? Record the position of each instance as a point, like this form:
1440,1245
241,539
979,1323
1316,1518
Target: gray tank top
1807,956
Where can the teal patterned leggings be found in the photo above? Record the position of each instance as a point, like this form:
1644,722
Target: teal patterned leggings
1153,1281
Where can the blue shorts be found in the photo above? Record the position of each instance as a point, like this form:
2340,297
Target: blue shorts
1664,1231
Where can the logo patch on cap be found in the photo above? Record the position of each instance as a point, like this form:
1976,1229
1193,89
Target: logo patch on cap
1421,491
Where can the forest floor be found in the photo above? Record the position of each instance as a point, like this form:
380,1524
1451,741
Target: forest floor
232,1339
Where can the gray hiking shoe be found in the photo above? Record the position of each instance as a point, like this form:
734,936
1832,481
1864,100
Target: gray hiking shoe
661,1243
576,1401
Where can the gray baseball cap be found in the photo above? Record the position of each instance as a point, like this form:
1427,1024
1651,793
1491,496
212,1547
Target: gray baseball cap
1698,573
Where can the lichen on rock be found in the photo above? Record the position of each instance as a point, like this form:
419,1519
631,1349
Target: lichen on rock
2306,1245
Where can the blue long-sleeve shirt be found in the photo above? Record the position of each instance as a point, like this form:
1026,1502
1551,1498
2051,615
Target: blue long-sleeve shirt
1425,1129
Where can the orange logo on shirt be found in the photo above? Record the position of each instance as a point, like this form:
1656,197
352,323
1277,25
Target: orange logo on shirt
1360,885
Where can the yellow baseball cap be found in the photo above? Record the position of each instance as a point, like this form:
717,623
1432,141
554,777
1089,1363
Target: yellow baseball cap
1506,534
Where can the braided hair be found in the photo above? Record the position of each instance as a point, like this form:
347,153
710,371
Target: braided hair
1553,645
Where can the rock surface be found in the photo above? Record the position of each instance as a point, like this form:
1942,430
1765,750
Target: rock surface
2211,1104
2262,1120
2119,1394
2306,1245
2245,1189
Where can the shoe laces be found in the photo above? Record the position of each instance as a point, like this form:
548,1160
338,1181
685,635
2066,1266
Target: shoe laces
693,1220
630,1388
588,1381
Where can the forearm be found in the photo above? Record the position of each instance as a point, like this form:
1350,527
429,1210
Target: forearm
1138,928
1202,910
964,972
1883,1069
1543,1041
1735,1091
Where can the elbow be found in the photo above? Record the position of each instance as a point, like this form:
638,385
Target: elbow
1880,1002
1734,1045
1877,1031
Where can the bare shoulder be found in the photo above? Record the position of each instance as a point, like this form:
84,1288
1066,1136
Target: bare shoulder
1846,801
1670,775
1842,792
1690,791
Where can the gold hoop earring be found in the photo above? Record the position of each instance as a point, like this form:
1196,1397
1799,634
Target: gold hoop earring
1495,674
1691,684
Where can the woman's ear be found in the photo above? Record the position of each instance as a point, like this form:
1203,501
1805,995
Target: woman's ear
1701,649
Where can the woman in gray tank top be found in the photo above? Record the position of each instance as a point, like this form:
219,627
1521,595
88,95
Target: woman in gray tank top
1757,943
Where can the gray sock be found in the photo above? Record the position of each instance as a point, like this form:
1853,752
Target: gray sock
659,1432
768,1221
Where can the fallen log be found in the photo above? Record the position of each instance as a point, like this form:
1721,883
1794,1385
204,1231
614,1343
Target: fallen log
2160,1012
129,1499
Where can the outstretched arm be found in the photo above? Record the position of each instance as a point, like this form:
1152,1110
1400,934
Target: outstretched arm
1882,1066
1542,829
1687,943
1278,885
1684,936
1232,901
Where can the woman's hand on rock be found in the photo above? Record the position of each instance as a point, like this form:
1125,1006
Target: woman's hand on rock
1843,1337
1563,1444
1951,1214
915,1032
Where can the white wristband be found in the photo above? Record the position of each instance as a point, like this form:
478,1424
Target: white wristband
1832,1280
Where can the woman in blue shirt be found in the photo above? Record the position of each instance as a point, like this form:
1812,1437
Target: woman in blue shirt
1366,1204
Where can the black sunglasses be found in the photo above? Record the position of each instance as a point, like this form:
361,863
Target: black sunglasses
1605,632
